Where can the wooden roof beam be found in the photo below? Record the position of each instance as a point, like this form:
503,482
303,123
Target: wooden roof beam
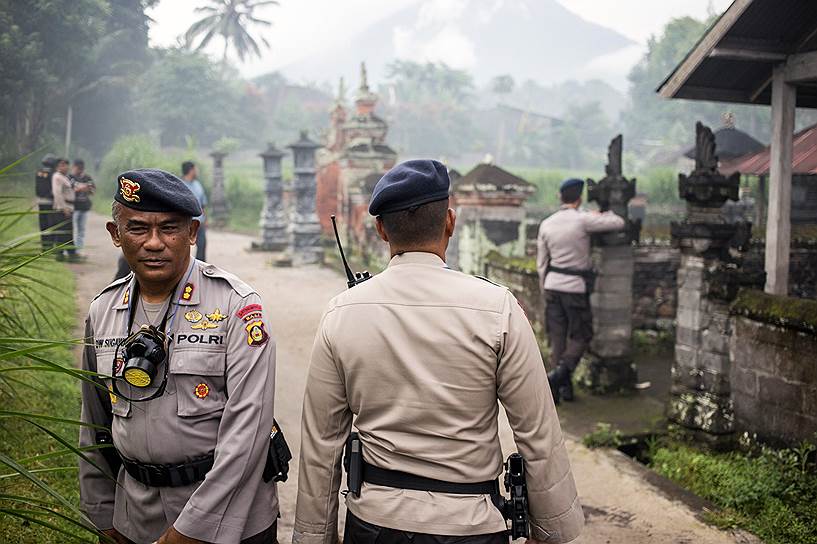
747,55
701,51
801,67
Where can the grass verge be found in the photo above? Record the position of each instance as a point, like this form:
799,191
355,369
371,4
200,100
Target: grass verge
770,492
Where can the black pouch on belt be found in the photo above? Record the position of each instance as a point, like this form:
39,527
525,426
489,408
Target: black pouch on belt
278,456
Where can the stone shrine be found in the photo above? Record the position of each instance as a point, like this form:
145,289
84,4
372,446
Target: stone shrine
306,230
708,280
610,365
219,211
274,222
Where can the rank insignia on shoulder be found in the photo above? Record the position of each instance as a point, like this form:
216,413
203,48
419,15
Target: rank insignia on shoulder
216,316
114,398
187,292
193,316
126,298
202,390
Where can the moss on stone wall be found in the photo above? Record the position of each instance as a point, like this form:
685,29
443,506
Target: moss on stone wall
792,313
519,264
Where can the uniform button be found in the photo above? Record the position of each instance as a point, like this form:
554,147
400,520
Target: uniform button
209,270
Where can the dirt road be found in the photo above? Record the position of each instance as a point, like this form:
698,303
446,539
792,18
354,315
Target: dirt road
621,506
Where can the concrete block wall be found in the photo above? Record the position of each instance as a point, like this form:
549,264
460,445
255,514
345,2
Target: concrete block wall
774,380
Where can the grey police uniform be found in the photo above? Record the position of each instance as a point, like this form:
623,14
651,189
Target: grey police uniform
217,407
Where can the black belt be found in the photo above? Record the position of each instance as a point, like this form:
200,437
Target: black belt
402,480
570,271
171,475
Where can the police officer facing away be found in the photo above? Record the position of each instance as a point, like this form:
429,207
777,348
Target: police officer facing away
186,389
565,270
416,358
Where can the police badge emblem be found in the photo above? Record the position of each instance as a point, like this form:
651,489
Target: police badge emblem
128,190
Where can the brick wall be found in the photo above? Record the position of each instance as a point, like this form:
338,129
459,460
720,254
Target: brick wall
655,286
774,380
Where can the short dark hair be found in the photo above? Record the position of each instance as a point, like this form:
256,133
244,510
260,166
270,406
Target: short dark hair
416,225
571,194
79,162
61,160
187,166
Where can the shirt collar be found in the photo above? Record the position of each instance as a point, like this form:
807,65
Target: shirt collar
186,294
416,257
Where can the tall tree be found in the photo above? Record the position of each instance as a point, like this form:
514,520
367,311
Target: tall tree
231,20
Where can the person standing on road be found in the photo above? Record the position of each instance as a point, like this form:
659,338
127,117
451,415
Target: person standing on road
186,388
63,192
45,200
190,175
566,277
416,358
84,187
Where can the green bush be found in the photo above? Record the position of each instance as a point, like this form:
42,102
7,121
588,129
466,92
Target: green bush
769,492
245,196
603,436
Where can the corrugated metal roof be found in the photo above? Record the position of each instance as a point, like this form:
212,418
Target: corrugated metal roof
804,157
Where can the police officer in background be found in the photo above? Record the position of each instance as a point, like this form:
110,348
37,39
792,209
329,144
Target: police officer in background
186,389
416,358
45,200
565,275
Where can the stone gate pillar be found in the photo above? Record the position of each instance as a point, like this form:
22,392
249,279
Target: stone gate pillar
219,211
273,223
306,230
611,367
708,279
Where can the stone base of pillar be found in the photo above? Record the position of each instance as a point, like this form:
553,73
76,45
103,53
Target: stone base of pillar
306,243
262,245
601,376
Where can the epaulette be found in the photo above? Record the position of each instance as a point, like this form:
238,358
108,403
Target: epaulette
115,283
243,289
483,278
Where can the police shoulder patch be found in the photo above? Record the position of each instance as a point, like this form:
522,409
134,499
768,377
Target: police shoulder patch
238,286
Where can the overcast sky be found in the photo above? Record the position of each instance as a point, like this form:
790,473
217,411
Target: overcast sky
304,27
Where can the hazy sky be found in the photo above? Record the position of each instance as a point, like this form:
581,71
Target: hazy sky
304,27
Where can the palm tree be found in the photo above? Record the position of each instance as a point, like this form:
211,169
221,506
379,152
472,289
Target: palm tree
231,20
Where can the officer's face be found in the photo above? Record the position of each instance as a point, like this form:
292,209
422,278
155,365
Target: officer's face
155,244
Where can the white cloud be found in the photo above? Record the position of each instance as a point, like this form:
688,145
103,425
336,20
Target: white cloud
436,36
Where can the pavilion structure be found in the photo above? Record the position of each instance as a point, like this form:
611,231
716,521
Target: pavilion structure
760,52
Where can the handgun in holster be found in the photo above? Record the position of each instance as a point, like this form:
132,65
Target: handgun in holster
278,456
515,507
353,463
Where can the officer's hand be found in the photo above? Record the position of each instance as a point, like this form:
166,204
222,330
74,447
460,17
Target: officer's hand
172,536
115,535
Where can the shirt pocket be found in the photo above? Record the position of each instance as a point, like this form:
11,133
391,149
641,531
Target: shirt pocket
200,382
105,366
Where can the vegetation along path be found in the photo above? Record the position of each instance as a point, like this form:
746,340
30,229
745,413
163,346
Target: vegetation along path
621,506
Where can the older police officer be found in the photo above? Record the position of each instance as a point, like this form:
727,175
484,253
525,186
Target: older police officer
185,394
416,358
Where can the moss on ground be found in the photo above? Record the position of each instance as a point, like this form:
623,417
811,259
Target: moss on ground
520,264
795,313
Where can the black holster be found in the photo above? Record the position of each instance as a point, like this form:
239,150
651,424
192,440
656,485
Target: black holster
278,456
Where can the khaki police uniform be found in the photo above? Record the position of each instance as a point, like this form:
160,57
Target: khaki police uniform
219,399
564,242
418,356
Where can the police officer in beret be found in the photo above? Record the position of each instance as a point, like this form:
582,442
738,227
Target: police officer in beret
415,359
185,391
565,276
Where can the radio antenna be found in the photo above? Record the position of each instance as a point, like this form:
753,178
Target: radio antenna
353,279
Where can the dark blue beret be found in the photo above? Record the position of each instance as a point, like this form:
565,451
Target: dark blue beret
572,182
409,184
151,190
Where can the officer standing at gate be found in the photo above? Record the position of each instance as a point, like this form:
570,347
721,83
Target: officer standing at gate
415,359
566,278
185,394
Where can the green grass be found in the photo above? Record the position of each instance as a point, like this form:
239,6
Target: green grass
771,493
50,393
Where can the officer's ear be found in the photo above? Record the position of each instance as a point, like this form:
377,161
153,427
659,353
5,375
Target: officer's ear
450,222
194,231
378,223
113,230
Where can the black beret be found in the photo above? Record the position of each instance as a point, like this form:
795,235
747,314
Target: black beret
572,182
409,184
151,190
